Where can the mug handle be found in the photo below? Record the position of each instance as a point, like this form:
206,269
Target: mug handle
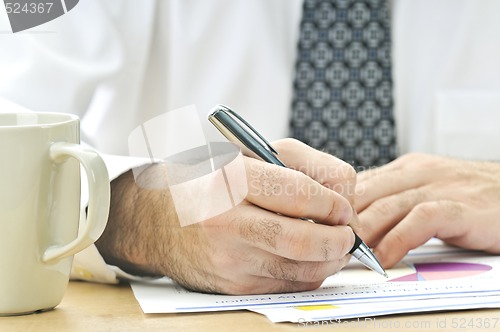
99,197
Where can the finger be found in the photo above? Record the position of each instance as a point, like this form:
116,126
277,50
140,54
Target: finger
238,265
472,228
287,237
294,194
407,172
441,219
367,174
324,168
382,215
408,161
261,263
389,183
237,282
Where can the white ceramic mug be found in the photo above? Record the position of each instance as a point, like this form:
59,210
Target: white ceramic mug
40,159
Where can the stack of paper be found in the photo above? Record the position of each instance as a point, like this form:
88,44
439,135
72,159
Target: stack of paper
433,277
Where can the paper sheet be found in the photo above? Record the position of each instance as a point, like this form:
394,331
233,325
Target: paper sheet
433,277
312,313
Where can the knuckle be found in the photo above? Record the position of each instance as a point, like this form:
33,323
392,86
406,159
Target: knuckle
381,208
298,245
347,171
337,170
287,144
427,211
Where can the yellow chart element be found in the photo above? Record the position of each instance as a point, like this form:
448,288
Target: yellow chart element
316,307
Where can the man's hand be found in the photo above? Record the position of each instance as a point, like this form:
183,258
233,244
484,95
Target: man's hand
405,203
259,246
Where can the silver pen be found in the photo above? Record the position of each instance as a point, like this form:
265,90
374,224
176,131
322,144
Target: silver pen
252,144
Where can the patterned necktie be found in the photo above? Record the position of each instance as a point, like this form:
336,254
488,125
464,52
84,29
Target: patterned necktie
343,87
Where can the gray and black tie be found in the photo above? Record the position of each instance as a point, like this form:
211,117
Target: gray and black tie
343,87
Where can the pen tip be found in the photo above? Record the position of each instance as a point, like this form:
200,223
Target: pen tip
386,275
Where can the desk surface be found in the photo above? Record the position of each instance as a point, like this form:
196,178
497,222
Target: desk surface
94,307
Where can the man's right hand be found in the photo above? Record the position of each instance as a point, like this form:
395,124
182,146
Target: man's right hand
259,246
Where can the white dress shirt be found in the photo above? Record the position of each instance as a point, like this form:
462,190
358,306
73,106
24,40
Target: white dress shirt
120,63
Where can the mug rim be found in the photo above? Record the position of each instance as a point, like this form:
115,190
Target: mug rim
35,119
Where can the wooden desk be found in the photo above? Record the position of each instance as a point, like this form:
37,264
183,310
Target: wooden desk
92,307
